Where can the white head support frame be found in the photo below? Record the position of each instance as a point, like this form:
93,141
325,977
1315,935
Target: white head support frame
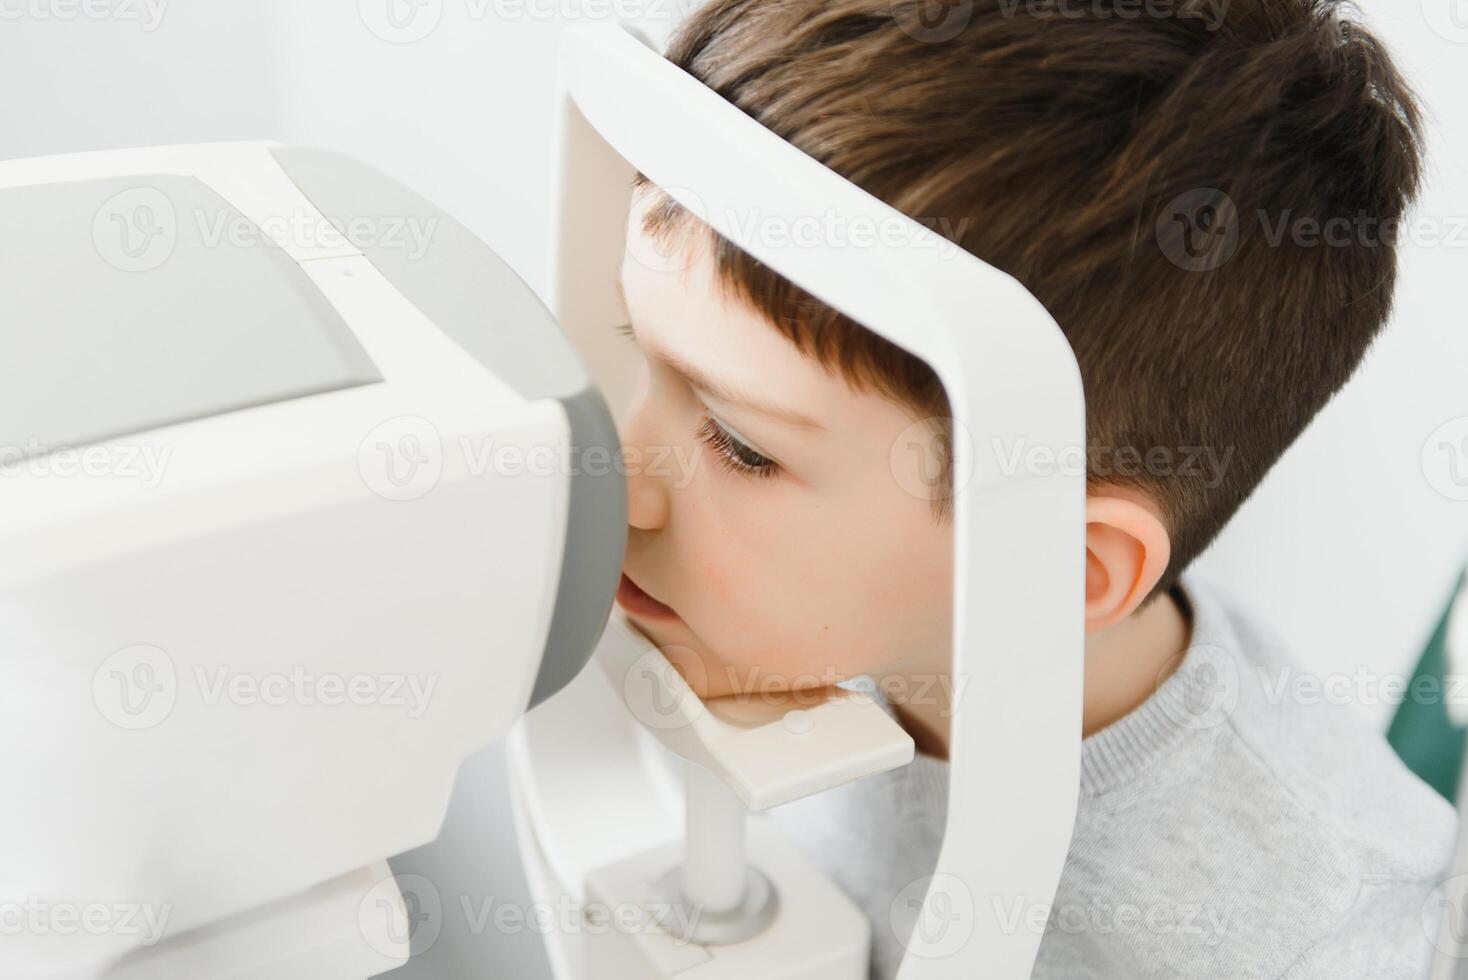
1013,384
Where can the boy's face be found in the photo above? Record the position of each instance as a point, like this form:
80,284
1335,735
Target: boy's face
791,552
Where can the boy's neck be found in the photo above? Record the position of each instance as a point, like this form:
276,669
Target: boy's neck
1125,663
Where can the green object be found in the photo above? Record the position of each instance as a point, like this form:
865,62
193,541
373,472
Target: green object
1420,732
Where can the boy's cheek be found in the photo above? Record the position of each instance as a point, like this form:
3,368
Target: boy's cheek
769,619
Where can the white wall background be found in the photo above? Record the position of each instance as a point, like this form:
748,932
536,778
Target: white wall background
1350,545
186,72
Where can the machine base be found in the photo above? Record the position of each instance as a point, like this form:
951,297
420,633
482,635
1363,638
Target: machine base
349,928
817,935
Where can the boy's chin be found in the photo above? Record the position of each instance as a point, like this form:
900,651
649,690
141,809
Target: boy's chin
710,676
711,681
703,674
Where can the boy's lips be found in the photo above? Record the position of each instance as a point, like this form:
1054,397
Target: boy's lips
639,603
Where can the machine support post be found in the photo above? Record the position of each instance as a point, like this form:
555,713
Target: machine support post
714,843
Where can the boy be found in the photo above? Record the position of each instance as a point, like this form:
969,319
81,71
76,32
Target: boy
1140,168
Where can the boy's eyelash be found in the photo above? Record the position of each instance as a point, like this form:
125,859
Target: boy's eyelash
732,453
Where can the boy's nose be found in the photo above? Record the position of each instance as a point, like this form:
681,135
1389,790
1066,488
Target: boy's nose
647,490
647,499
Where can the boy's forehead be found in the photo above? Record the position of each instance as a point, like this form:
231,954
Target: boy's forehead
678,307
681,309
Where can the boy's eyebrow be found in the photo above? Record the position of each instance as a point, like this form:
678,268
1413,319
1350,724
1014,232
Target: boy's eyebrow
719,389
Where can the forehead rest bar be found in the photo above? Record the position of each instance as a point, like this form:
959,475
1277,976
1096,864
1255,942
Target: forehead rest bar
1013,384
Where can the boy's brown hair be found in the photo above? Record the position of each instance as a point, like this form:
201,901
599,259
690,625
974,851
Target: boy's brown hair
1206,207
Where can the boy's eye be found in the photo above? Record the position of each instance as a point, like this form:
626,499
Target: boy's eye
734,454
731,452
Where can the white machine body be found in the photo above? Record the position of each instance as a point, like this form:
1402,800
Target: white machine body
286,498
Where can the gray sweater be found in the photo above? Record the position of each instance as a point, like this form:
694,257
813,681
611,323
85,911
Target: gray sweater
1239,823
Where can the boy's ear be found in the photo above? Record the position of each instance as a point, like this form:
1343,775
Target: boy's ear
1127,549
